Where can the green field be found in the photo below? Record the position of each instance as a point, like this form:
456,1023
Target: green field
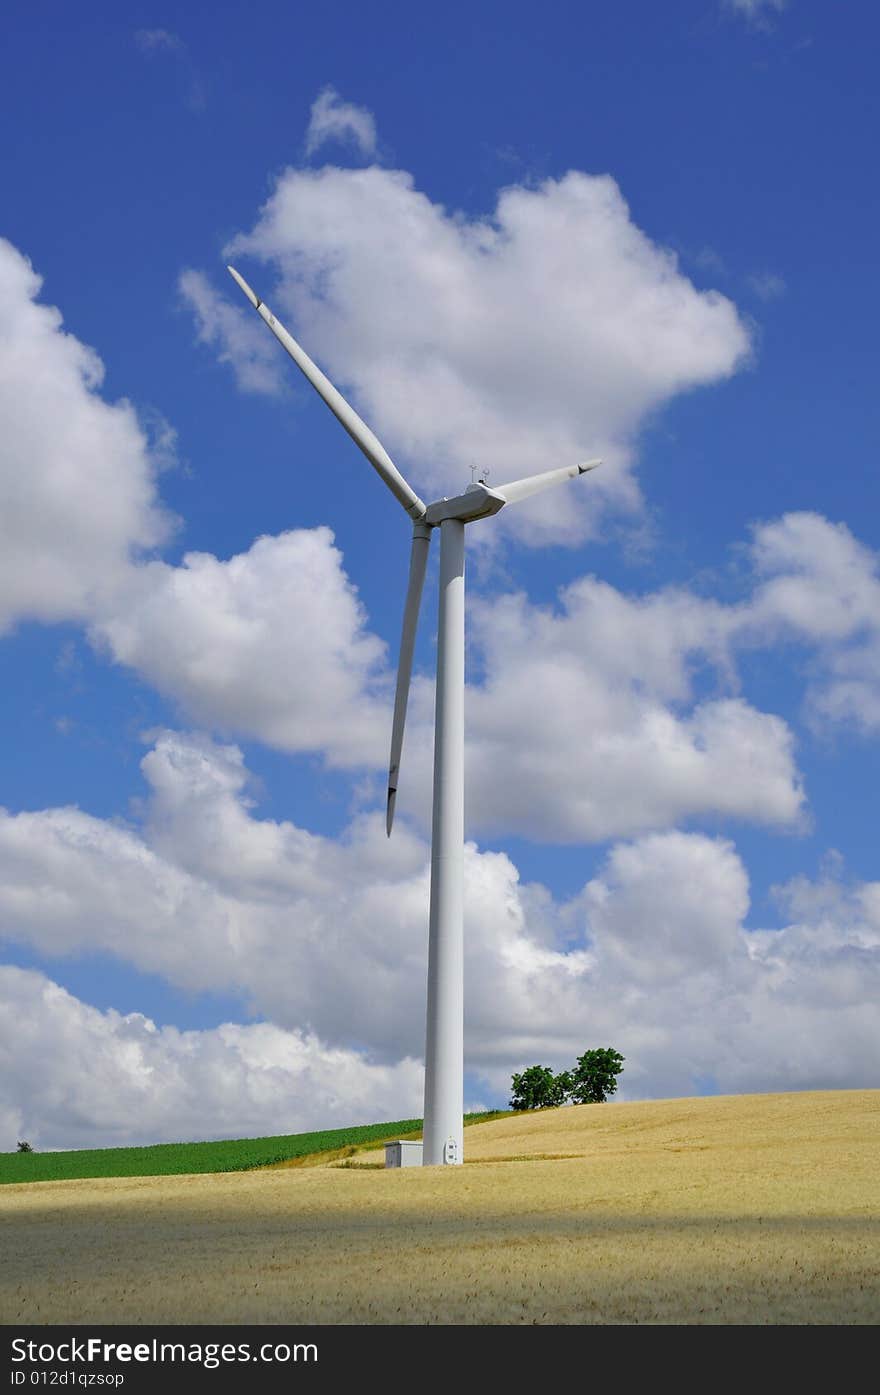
226,1155
162,1159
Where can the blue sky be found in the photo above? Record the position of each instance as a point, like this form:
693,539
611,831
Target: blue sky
514,240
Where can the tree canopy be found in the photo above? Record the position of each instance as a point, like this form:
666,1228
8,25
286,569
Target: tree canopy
592,1080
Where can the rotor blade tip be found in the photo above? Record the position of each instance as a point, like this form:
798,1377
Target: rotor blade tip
389,813
239,279
589,465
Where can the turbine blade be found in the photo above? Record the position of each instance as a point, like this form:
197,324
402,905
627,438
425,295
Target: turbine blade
417,564
533,484
345,414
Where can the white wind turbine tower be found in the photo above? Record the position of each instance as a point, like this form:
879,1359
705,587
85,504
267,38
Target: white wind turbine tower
444,1047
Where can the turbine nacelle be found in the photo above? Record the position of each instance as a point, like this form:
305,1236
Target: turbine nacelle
478,501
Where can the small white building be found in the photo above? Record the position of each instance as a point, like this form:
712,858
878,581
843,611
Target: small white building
403,1153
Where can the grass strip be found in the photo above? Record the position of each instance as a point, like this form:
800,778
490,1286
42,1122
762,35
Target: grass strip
224,1155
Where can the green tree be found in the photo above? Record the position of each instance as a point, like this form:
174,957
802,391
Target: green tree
25,1147
593,1078
538,1088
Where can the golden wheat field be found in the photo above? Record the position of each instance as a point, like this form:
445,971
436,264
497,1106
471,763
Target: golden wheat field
740,1209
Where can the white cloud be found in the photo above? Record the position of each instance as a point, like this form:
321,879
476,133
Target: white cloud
611,714
77,476
80,502
72,1076
539,336
648,727
272,642
328,940
815,578
212,898
705,1001
656,936
332,119
631,748
634,743
235,336
586,725
819,585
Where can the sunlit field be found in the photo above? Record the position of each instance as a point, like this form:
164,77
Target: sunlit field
741,1209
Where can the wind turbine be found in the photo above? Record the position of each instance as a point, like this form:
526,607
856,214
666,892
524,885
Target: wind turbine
444,1047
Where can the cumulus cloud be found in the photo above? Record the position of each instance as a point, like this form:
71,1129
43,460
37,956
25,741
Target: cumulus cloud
586,724
78,501
610,714
317,934
636,741
710,1003
820,586
332,119
272,642
72,1076
661,940
631,747
538,336
235,336
327,939
81,505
